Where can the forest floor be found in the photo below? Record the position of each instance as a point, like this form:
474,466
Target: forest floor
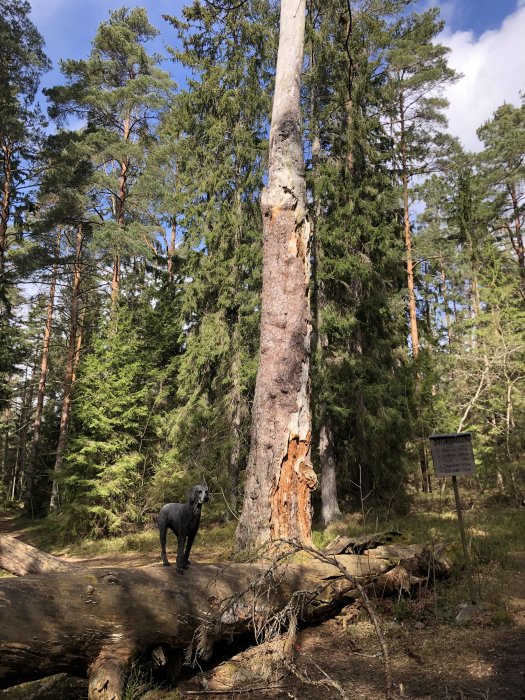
434,655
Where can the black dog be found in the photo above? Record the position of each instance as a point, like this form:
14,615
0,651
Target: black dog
183,520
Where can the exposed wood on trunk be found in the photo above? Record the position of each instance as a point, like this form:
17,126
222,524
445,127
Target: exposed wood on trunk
37,423
95,622
70,366
279,473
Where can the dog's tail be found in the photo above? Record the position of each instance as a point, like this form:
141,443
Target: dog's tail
156,521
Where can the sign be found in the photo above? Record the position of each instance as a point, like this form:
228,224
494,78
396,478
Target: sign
452,454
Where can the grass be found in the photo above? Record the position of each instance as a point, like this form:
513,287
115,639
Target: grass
493,533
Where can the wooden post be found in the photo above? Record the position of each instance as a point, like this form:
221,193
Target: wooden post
468,569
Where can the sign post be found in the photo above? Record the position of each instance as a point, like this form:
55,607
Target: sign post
453,456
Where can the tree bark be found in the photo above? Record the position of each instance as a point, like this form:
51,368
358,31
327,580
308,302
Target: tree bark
96,622
170,248
5,212
70,366
37,423
21,559
329,504
412,311
21,449
279,474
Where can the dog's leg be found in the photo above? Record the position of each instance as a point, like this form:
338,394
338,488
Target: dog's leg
162,532
191,537
180,554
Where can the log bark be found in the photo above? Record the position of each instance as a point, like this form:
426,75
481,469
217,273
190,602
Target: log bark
96,622
21,559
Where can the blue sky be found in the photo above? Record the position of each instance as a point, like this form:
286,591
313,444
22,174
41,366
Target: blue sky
477,16
486,39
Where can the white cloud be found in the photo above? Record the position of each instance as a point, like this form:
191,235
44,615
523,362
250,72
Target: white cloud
493,68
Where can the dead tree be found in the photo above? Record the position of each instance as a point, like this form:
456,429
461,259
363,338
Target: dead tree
96,622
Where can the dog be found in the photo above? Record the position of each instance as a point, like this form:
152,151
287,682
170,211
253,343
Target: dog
183,520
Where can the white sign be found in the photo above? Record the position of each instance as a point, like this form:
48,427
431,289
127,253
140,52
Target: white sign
452,454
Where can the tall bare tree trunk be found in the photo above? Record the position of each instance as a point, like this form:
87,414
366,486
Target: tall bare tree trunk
414,335
25,413
279,474
330,510
120,211
6,204
412,309
443,293
236,398
236,402
70,366
37,423
5,211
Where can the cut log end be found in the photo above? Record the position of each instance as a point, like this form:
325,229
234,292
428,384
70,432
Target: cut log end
108,672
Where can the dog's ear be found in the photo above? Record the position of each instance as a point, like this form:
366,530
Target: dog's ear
192,495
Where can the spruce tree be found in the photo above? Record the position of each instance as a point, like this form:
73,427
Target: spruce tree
103,478
503,171
215,139
363,390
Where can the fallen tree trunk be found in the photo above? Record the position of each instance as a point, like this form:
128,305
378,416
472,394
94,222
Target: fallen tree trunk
21,559
96,622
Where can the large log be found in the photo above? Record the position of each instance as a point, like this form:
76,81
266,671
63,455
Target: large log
96,622
21,559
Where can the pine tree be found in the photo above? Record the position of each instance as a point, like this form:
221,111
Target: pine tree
480,365
418,70
22,62
120,91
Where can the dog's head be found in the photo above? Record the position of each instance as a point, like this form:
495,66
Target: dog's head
198,495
